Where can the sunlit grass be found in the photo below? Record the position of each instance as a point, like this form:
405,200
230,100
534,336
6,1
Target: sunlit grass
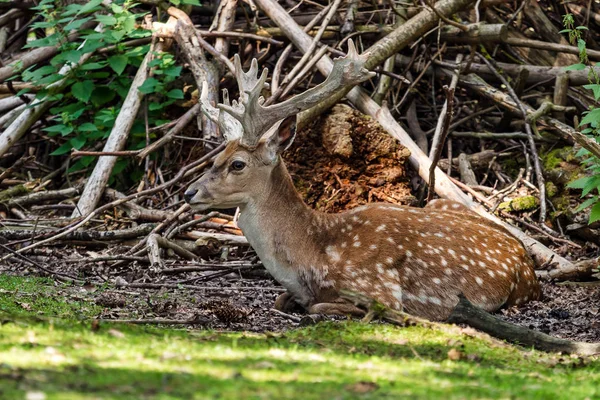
67,359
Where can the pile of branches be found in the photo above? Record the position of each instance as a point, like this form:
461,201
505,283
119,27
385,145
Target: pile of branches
449,70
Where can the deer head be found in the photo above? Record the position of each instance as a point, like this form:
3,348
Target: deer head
257,134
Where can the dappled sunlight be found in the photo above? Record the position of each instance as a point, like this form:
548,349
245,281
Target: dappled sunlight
69,360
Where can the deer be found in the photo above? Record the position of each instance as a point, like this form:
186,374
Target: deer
416,260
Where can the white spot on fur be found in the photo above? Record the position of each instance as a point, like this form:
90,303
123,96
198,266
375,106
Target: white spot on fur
333,254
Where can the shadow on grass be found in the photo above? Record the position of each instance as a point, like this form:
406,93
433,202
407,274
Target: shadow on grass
328,360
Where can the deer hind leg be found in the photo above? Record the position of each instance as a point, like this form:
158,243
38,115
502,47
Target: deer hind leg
336,309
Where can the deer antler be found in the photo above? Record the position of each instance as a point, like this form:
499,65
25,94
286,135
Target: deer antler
256,119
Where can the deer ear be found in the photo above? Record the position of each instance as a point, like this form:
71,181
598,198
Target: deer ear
283,136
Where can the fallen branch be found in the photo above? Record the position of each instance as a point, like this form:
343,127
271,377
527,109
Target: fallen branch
466,313
180,175
97,181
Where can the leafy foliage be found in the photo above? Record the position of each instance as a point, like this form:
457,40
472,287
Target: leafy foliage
590,184
89,97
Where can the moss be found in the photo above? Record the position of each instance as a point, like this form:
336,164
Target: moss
553,158
520,204
67,359
551,189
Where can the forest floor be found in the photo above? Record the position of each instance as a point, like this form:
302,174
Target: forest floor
61,341
53,347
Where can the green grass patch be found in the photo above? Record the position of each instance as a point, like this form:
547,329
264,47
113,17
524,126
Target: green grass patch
67,359
27,296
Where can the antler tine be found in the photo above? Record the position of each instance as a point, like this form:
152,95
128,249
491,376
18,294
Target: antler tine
245,110
352,52
229,127
347,71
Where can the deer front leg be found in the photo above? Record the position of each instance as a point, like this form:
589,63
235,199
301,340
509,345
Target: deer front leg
286,302
336,309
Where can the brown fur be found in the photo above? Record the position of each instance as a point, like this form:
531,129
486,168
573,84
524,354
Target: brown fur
418,260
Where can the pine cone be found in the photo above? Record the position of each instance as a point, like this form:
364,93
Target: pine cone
226,311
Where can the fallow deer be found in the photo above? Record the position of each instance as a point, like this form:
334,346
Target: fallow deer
414,259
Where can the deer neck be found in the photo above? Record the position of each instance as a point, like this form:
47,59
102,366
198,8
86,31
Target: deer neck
280,226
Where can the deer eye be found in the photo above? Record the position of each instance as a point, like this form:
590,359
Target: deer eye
237,165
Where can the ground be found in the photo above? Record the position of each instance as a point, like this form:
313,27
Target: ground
61,340
71,357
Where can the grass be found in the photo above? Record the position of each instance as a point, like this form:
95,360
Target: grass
70,358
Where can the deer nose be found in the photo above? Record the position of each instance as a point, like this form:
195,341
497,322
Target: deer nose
189,194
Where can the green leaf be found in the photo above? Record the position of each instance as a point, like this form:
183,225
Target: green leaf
76,24
595,213
174,71
192,2
117,9
92,66
127,23
118,63
64,130
22,92
592,117
93,36
114,36
575,67
87,127
82,163
89,6
587,203
579,183
78,142
71,9
43,25
149,86
107,20
591,184
594,87
175,94
154,106
581,45
83,90
51,40
35,75
73,56
91,45
102,95
64,149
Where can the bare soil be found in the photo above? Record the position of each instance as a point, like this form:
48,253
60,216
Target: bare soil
566,311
